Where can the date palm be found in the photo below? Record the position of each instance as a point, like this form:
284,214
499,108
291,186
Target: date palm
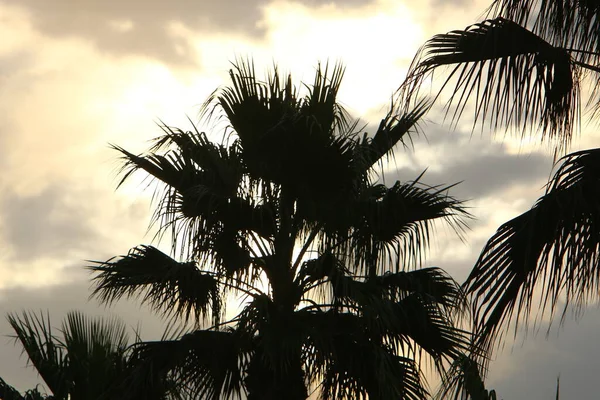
288,213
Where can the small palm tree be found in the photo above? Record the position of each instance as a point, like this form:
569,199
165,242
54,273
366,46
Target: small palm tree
89,361
289,213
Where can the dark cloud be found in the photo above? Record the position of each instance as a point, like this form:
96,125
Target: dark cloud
46,224
482,175
147,33
141,26
529,368
483,167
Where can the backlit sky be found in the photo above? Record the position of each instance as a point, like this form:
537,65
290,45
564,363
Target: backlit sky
77,75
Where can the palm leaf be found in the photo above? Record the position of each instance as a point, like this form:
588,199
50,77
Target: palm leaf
168,286
44,351
554,246
392,129
411,319
390,228
320,105
96,350
431,283
407,308
463,381
514,77
222,166
203,364
201,194
341,354
565,23
34,394
300,142
8,392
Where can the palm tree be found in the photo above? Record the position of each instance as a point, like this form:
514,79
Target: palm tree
529,68
88,362
289,213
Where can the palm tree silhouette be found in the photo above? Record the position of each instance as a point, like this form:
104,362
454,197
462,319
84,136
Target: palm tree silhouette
533,67
288,213
88,361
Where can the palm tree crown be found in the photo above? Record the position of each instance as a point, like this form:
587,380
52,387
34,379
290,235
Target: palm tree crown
288,213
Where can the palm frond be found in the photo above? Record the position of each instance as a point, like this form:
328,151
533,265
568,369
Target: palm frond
168,286
108,336
390,228
417,319
203,364
205,193
554,246
8,392
432,283
514,77
320,105
566,23
300,142
394,128
35,394
464,381
341,354
96,354
43,349
407,308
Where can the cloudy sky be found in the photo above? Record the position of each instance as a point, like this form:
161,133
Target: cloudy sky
77,75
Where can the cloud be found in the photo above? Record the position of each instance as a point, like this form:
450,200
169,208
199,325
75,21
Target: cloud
527,367
141,26
483,167
146,27
46,224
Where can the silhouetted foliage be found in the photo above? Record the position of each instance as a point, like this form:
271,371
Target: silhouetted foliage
528,68
89,360
288,212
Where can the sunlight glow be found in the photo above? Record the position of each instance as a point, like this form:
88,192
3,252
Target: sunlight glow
375,43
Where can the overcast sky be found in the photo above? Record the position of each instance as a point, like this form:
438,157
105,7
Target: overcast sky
77,75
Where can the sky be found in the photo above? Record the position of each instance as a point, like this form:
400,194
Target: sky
78,75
